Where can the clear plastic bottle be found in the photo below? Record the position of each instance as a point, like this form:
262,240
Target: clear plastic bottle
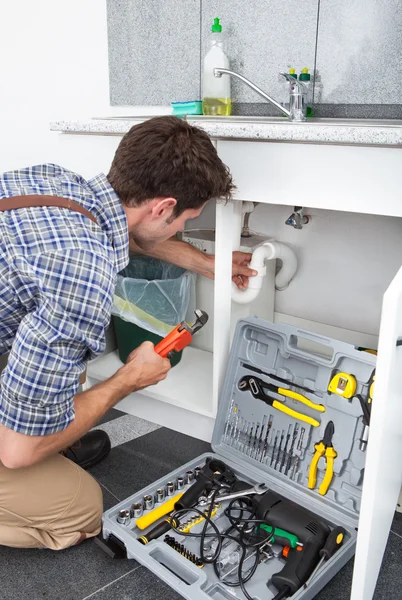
305,78
216,98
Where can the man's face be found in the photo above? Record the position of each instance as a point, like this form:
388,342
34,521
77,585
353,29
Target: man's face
161,226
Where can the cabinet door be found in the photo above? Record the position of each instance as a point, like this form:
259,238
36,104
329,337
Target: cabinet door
383,473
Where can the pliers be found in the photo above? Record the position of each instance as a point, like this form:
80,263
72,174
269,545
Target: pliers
257,386
324,447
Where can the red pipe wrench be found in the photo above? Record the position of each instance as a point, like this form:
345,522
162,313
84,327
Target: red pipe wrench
181,335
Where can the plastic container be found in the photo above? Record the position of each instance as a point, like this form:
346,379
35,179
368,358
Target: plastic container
305,78
151,298
216,97
193,107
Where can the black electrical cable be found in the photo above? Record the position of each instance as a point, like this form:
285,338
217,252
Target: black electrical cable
238,523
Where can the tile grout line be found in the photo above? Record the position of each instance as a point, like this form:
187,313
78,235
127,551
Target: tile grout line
316,47
397,534
107,489
111,583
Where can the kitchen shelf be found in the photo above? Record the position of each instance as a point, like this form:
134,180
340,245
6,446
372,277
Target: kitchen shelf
188,385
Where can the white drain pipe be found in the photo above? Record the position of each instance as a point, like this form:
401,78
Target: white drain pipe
268,251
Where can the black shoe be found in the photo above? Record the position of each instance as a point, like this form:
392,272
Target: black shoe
89,450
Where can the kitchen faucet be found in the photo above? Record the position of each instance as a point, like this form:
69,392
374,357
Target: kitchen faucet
297,94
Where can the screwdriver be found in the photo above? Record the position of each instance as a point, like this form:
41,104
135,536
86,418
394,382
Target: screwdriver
333,542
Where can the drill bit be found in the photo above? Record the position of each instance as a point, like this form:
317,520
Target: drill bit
279,449
260,446
250,437
300,442
273,449
285,450
290,456
265,449
244,436
255,447
228,425
233,432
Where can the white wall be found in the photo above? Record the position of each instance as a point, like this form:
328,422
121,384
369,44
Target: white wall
347,260
53,65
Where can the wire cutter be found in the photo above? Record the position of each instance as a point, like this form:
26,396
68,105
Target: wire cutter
181,335
324,447
256,386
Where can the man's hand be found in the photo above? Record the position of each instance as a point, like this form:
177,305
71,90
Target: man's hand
241,270
144,367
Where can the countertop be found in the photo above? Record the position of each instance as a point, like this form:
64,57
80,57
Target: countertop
362,132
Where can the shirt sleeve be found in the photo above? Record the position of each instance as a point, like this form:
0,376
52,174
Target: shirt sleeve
68,299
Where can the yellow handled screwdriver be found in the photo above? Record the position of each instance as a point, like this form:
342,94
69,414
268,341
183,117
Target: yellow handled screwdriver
256,387
162,510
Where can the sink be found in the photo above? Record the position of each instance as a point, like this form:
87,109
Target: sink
269,120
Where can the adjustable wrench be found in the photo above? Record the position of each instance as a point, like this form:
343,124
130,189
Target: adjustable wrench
181,335
259,488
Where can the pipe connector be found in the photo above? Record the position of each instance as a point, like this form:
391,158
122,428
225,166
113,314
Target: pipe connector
267,251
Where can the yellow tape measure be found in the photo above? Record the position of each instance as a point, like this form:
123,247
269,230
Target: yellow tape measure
343,384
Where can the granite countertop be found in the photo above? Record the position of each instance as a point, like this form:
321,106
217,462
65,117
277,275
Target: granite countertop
362,132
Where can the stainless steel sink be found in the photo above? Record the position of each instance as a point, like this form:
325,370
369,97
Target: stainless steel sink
269,120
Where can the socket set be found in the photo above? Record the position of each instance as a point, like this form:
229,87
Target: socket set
151,501
289,417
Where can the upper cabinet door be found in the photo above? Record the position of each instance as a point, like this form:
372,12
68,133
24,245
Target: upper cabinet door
347,178
383,473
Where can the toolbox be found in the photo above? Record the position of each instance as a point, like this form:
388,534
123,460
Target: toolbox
278,428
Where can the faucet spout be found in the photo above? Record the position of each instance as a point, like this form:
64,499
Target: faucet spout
218,72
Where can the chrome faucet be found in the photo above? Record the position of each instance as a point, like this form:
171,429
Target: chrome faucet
297,94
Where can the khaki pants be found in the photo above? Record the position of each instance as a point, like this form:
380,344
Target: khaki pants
53,504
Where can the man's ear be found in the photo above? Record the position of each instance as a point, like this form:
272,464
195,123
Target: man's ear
163,208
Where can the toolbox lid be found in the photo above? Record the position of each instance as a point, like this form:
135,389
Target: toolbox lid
282,434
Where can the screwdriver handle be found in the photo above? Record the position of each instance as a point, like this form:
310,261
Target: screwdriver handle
157,531
159,512
333,542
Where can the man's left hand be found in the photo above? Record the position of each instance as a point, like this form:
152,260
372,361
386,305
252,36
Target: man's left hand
241,270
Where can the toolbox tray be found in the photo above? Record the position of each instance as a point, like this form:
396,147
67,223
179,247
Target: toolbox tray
304,359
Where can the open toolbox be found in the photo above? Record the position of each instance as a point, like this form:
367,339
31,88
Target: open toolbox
278,428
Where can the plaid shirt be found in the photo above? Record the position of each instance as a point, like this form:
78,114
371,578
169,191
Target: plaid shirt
57,274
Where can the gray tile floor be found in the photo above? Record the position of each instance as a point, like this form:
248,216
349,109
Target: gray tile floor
85,572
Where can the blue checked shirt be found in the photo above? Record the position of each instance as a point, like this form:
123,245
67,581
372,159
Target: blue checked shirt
57,279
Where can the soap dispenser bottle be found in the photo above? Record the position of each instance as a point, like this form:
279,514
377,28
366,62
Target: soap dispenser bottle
216,99
305,77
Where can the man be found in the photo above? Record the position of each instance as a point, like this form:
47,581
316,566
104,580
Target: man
57,272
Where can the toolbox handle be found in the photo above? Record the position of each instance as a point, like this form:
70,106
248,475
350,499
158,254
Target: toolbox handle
169,562
308,344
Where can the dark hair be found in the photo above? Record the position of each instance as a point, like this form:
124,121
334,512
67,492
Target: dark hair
166,157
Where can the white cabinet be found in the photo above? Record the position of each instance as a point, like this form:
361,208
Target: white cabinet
354,178
347,178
